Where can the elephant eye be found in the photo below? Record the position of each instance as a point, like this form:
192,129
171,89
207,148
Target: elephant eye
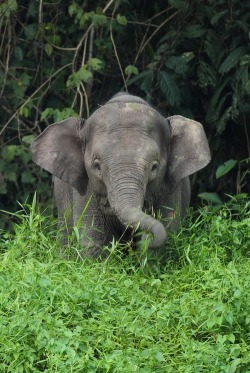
96,164
154,166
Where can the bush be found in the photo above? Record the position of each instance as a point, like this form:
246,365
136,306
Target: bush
190,314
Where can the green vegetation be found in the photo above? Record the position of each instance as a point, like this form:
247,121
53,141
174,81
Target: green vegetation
191,314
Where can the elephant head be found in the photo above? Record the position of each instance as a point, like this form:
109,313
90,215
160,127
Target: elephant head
126,153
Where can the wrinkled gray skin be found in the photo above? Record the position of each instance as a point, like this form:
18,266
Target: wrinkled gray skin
131,160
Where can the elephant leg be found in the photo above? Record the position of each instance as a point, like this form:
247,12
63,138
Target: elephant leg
96,228
185,196
173,207
71,213
64,198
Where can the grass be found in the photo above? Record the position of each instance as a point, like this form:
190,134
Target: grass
191,314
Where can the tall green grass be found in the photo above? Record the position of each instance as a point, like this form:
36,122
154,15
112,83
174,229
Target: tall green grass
190,314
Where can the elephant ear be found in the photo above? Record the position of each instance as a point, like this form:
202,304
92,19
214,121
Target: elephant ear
58,150
189,150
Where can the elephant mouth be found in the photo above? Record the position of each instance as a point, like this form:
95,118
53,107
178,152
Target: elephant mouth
104,205
147,207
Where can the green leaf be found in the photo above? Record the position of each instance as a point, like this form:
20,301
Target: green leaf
232,60
73,9
179,4
211,197
224,118
216,101
225,168
122,20
95,64
60,115
247,87
215,19
9,152
83,17
54,39
84,74
48,112
128,283
193,31
180,63
159,356
99,19
146,84
75,79
214,48
140,76
245,60
207,75
131,70
8,7
28,139
48,49
24,111
233,367
27,178
169,88
19,53
30,31
10,175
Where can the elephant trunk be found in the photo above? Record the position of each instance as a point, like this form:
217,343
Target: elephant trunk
126,198
134,217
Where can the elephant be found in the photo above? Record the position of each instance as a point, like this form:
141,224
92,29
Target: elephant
128,164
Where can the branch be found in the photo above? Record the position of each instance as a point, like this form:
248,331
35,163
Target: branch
117,58
79,45
32,95
8,47
155,32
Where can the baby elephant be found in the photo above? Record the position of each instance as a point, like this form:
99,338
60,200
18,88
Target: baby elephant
126,163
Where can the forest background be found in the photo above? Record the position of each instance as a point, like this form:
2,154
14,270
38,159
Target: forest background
61,59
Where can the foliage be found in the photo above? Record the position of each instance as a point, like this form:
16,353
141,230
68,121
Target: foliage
225,168
63,59
190,314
